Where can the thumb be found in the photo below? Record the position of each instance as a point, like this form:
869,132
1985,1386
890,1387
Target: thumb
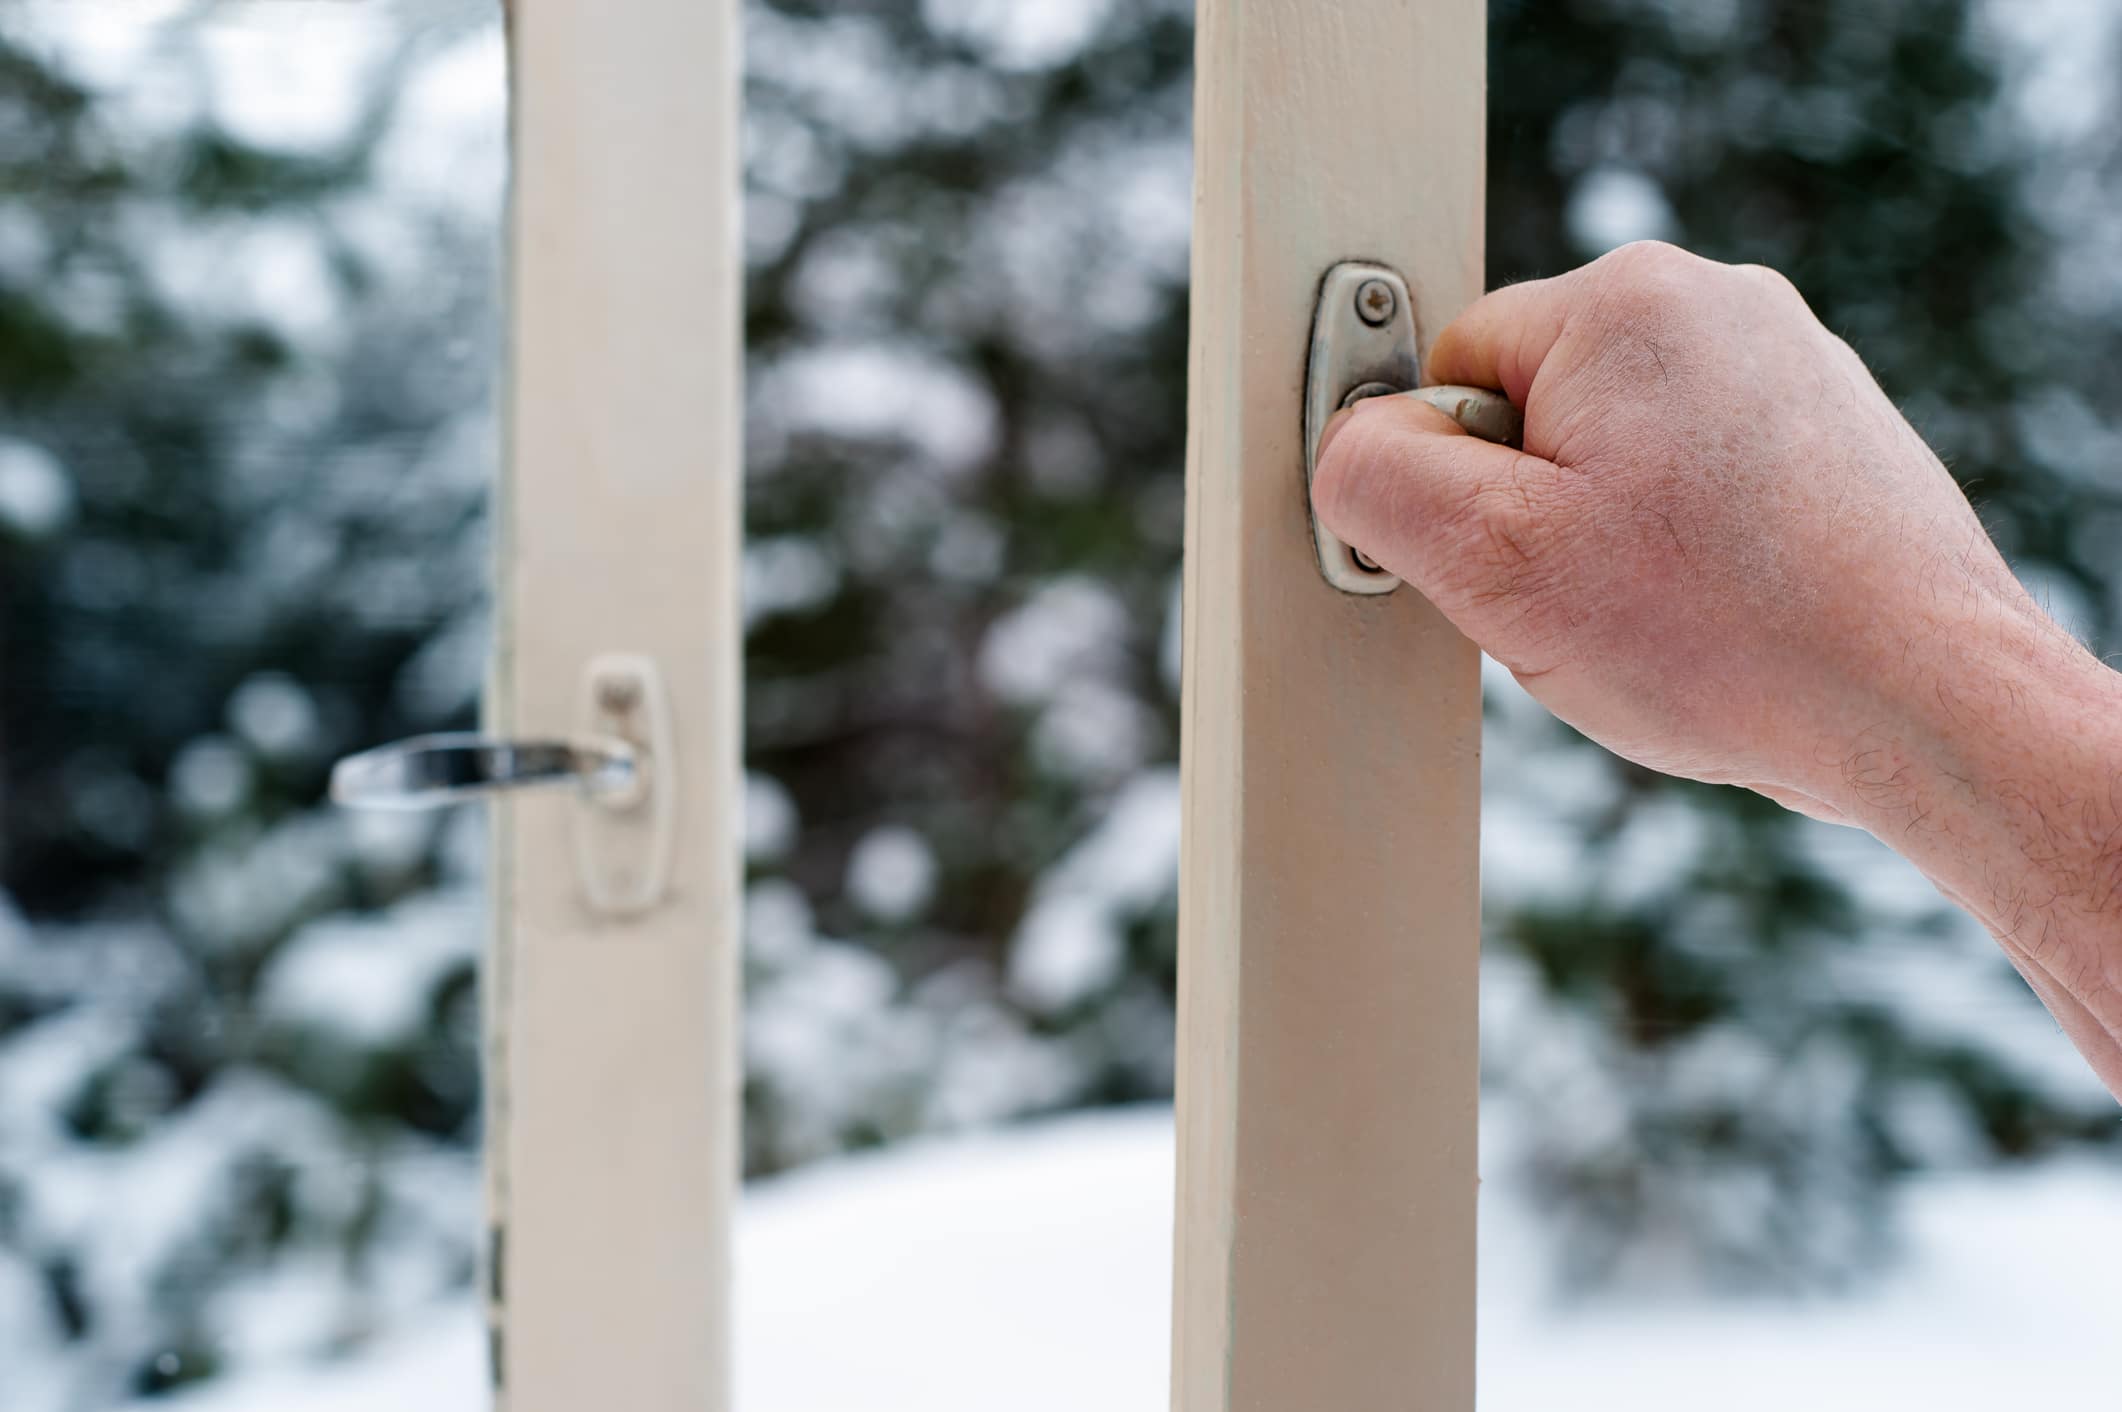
1411,488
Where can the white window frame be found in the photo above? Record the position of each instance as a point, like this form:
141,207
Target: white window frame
1331,743
1329,898
612,1064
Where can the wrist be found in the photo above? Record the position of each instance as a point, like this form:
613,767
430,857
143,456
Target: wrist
1996,767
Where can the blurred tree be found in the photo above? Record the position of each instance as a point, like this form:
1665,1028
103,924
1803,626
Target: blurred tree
960,609
244,453
971,230
1786,1041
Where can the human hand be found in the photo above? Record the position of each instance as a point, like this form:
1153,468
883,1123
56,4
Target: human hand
1725,555
1721,542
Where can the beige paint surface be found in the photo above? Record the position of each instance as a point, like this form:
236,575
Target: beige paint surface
612,1067
1329,896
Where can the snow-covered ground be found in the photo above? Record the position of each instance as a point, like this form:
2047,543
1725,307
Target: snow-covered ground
1030,1269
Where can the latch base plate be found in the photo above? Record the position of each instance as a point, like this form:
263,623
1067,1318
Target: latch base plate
1363,332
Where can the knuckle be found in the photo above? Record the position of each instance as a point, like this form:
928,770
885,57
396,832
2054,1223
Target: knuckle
1647,252
1650,261
1648,282
1770,281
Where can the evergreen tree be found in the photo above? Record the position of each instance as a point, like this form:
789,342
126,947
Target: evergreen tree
244,452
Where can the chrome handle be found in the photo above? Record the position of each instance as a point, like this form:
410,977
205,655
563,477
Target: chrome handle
429,771
621,757
1487,414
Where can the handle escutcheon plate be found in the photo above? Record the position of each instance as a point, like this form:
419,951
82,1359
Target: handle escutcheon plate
620,765
1363,336
1364,345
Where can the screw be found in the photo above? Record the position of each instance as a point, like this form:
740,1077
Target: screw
1376,303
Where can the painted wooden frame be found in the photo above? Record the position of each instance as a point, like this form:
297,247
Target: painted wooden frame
613,1062
1329,914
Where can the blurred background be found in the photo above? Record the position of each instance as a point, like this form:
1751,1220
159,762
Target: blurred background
249,343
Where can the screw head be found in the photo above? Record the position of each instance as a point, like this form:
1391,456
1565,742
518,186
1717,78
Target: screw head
1376,303
618,695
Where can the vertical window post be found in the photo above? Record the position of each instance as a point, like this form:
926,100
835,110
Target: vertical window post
612,992
1329,895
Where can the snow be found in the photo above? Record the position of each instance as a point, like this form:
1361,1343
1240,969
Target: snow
448,142
881,390
2062,53
42,1066
1611,206
129,1216
1069,945
210,776
1063,651
291,77
770,819
891,872
238,268
834,1050
1018,36
1065,951
788,573
2004,1300
36,497
369,978
275,715
1030,1268
1093,730
442,1368
241,887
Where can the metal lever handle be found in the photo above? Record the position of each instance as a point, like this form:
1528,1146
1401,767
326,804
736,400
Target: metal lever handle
428,771
621,758
1488,415
1363,345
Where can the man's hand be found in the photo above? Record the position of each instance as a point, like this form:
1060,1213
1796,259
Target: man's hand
1725,555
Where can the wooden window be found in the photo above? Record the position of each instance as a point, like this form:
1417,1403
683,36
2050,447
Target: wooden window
1327,1100
1329,894
612,1070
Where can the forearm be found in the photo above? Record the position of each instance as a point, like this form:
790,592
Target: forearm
2002,780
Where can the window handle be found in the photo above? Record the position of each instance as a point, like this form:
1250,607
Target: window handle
1363,345
430,771
619,760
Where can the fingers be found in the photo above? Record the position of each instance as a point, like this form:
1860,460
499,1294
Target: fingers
1407,485
1502,338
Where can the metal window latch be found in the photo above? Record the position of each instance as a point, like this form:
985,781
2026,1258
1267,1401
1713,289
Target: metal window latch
619,763
1363,345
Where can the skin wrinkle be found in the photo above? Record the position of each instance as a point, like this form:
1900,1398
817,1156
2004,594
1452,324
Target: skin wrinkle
1724,554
